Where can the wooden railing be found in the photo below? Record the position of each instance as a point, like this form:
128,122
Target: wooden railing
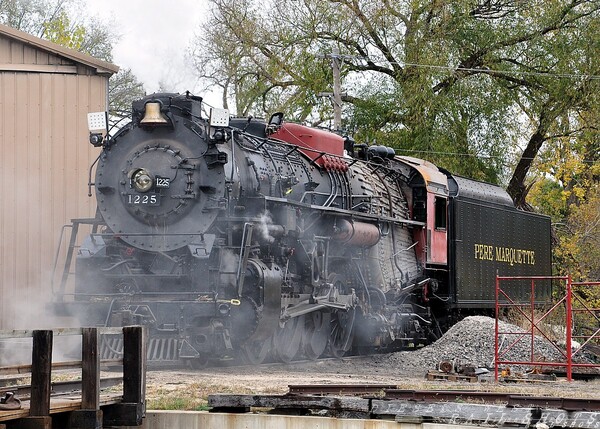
128,411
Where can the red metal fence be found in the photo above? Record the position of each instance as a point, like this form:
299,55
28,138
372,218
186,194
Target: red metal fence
568,309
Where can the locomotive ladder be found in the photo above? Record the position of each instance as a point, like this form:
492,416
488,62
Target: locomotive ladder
75,223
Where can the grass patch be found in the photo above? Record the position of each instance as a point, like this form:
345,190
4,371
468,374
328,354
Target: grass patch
183,403
194,396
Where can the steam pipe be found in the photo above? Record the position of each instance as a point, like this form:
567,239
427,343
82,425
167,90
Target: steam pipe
356,233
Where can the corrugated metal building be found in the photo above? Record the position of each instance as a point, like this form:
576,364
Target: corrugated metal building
46,91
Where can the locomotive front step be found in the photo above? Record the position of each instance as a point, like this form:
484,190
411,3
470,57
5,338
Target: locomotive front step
160,350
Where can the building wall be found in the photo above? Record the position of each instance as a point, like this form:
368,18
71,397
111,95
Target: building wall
16,55
44,164
205,420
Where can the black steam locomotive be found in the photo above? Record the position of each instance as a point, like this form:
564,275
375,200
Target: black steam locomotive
232,237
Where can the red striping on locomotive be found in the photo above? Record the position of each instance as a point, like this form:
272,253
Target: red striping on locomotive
316,141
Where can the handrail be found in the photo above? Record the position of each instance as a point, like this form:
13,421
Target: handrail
527,309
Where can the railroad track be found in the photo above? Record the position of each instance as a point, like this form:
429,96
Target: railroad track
58,388
391,392
457,407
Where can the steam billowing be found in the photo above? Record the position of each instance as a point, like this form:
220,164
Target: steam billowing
265,226
33,312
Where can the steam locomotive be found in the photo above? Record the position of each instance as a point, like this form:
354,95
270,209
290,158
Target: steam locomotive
269,239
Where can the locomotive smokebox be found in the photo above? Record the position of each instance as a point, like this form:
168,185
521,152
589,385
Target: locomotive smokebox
360,234
158,186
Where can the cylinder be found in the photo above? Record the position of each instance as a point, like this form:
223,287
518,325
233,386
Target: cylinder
356,233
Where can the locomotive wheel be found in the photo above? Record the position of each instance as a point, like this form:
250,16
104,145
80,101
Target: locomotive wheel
316,334
255,352
286,342
340,339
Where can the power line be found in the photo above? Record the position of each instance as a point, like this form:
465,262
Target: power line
509,72
482,70
433,152
464,154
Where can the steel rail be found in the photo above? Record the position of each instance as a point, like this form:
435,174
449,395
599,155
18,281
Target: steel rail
387,392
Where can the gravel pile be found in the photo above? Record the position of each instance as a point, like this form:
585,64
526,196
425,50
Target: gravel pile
471,342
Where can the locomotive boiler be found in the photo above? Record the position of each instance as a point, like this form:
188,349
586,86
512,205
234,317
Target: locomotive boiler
268,239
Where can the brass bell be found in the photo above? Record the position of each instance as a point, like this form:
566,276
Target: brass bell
152,114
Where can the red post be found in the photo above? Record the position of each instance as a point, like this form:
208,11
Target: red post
533,325
496,331
569,329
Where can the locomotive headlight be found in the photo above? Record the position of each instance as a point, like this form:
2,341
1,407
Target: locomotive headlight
142,180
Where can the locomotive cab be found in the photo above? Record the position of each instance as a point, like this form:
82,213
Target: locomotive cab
429,205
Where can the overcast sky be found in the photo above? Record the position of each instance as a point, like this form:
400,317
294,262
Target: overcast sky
155,36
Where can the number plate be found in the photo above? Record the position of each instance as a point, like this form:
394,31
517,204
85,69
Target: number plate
162,182
143,199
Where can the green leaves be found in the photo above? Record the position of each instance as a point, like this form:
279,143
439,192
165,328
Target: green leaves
60,31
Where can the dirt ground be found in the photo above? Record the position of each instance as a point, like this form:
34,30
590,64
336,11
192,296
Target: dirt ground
190,388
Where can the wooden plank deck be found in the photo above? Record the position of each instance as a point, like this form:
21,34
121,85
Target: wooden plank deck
61,404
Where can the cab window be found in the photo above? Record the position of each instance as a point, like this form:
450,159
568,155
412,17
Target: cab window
440,213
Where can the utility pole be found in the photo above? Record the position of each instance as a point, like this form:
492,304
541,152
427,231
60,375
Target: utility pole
337,89
336,96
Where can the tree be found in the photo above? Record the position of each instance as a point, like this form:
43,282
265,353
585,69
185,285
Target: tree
30,16
570,193
51,20
451,81
579,249
123,89
560,103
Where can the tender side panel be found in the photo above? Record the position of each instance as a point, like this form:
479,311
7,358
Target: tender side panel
492,239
